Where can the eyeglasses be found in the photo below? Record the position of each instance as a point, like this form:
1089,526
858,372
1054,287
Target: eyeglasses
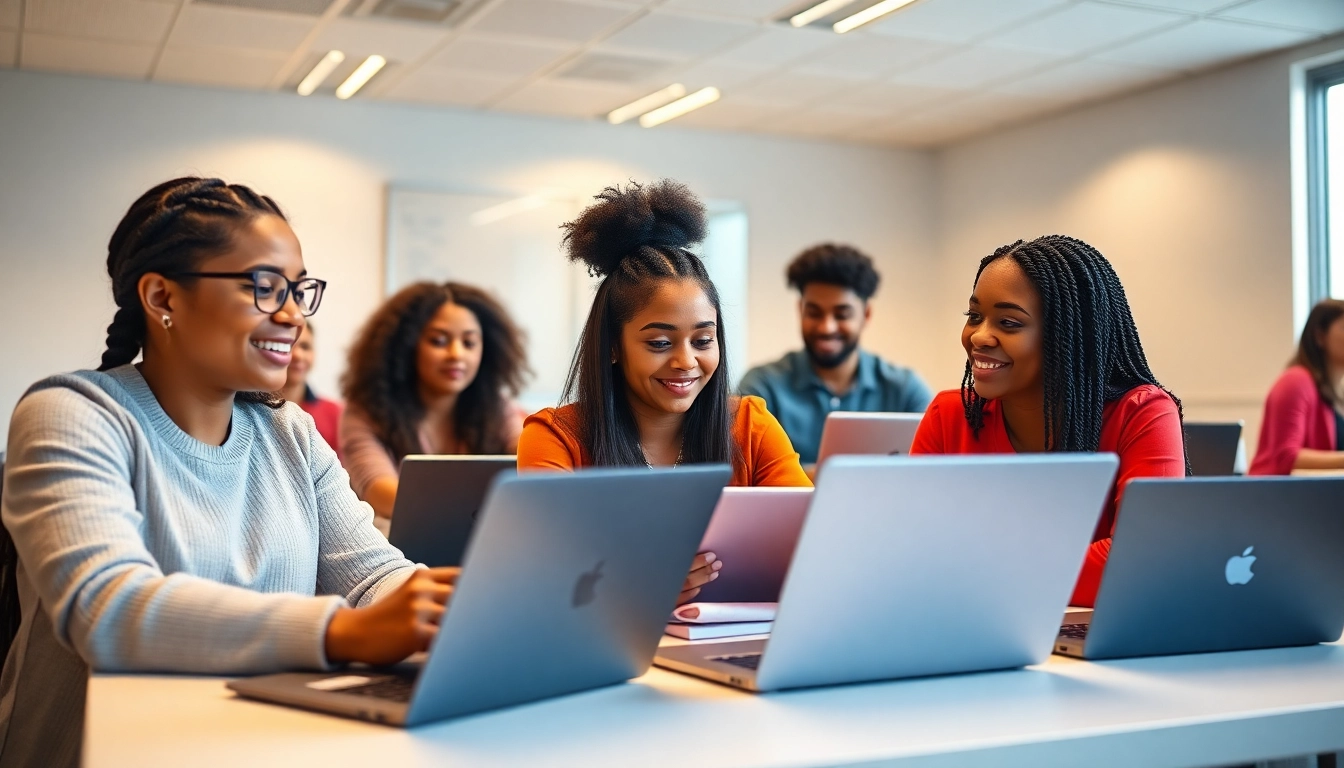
270,289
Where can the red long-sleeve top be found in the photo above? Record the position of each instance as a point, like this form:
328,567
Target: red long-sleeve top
1143,427
1296,417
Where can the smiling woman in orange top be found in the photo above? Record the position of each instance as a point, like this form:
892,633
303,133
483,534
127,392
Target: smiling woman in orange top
649,386
1054,363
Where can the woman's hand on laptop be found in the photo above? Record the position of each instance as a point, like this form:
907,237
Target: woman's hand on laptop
402,623
704,569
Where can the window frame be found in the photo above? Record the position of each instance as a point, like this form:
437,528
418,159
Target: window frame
1318,81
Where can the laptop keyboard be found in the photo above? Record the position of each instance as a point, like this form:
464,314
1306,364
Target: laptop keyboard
392,688
1074,631
746,661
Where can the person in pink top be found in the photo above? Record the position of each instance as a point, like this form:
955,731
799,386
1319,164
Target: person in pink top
1303,427
433,371
326,413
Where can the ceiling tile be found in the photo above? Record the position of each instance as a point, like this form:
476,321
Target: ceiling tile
10,13
1086,79
679,36
1084,27
9,50
393,41
1322,16
974,67
869,57
817,123
225,67
1182,6
550,19
129,21
85,57
725,114
495,56
789,89
779,45
888,99
440,86
958,21
720,74
571,99
1203,43
240,28
757,10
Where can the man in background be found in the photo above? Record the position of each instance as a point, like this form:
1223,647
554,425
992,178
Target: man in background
831,373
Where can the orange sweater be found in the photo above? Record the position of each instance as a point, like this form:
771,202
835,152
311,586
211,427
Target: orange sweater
768,457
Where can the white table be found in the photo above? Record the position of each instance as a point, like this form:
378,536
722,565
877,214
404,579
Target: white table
1173,711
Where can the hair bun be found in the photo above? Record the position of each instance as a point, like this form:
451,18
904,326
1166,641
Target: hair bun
665,214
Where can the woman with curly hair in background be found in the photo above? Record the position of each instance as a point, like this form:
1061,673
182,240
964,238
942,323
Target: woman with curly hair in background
433,371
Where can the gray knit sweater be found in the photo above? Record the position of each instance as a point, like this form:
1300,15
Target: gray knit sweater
144,549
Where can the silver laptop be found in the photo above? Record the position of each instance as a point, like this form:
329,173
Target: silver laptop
927,565
1219,564
856,433
1212,448
567,585
753,532
438,500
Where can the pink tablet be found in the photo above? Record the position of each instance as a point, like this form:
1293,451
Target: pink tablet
753,531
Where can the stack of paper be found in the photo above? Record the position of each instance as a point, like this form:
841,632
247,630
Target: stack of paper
704,621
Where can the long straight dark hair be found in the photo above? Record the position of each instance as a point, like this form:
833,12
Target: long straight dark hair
1310,350
636,238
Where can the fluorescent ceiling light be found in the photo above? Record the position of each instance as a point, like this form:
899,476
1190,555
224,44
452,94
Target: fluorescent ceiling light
652,101
505,210
360,76
700,98
320,72
871,13
817,11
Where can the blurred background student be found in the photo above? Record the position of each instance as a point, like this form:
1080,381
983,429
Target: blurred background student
831,373
435,371
326,413
1303,426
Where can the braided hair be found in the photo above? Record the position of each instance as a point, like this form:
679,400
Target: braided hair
1091,352
636,238
172,228
382,380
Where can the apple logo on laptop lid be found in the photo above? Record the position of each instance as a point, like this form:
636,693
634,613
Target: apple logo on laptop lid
1238,569
585,589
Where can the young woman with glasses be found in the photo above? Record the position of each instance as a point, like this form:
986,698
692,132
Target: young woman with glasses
433,371
649,386
175,515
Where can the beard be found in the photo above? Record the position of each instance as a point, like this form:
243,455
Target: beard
830,361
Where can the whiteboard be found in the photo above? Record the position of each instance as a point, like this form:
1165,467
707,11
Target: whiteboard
510,245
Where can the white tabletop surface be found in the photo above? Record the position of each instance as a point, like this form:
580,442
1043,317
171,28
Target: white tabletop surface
1173,711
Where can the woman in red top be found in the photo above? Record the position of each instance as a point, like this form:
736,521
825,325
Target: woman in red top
1304,412
326,413
1054,363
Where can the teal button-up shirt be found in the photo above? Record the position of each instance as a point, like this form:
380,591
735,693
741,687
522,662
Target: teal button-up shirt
797,397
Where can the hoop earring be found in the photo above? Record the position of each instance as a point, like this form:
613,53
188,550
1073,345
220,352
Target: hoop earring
167,322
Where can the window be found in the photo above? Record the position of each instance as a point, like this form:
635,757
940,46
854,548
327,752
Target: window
1325,181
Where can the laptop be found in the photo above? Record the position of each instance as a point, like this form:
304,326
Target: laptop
1218,564
925,565
438,499
1212,448
857,433
566,586
753,532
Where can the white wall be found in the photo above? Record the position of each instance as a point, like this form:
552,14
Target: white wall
75,152
1186,189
